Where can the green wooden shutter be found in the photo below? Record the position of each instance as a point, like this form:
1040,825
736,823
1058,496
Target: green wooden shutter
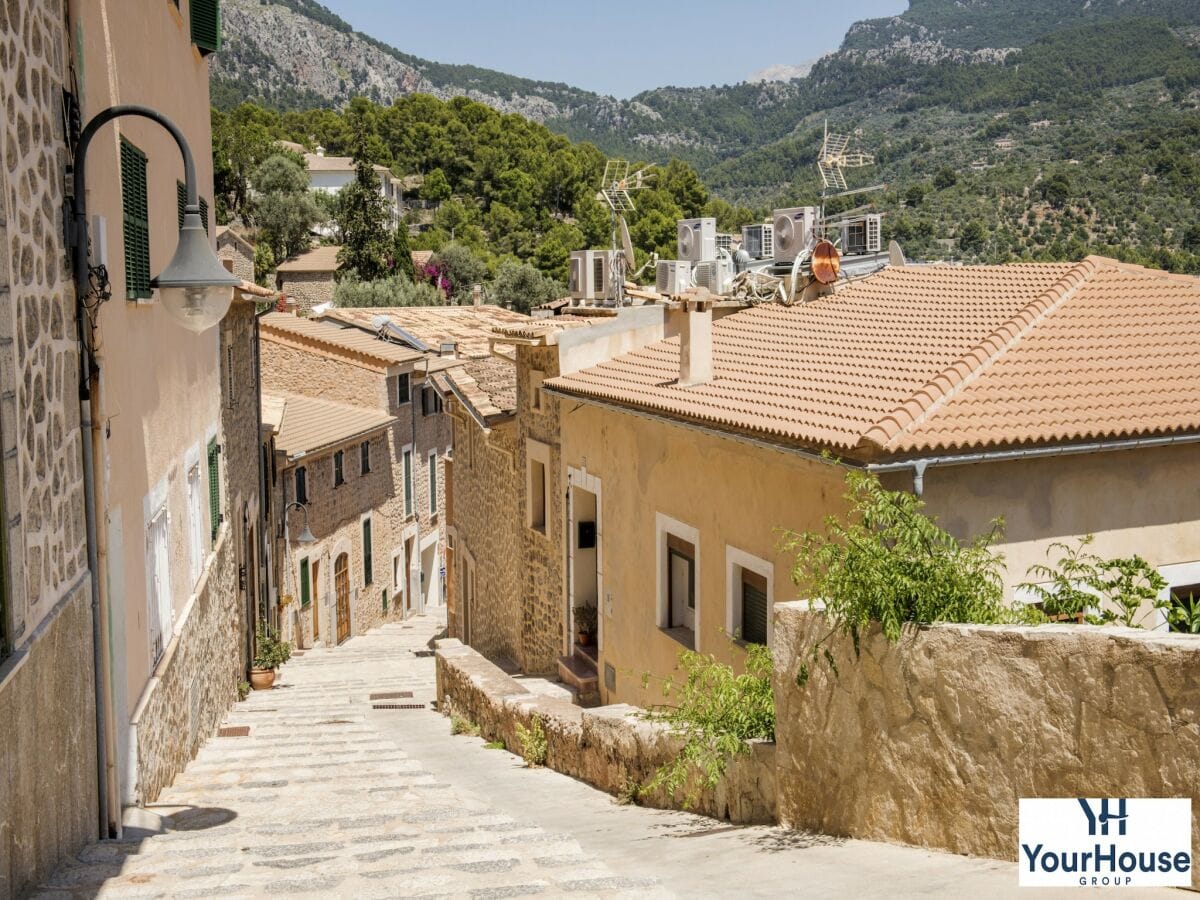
206,25
181,202
136,222
305,599
754,611
368,569
214,489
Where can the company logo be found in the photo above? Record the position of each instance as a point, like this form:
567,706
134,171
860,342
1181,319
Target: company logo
1102,819
1105,842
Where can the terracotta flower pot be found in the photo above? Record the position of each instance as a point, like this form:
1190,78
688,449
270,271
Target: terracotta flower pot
262,679
584,638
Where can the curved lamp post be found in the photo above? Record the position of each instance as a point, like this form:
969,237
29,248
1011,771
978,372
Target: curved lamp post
305,536
196,289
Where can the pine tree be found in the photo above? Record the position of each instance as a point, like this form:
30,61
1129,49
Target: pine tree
367,245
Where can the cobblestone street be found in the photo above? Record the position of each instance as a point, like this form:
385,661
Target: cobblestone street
328,795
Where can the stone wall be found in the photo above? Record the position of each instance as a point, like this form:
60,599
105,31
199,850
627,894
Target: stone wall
195,681
544,616
489,522
308,289
48,796
609,747
933,740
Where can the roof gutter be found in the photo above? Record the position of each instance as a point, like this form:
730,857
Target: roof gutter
918,466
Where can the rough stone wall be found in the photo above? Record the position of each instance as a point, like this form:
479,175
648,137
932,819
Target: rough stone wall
544,616
243,265
48,800
39,412
308,289
489,521
288,370
610,747
195,681
933,740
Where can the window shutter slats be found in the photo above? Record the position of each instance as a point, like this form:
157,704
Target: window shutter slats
214,489
206,25
135,222
754,614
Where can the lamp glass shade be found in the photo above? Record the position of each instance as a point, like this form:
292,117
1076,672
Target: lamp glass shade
195,289
305,537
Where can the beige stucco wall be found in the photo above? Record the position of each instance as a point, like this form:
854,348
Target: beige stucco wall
734,493
932,741
1135,501
160,383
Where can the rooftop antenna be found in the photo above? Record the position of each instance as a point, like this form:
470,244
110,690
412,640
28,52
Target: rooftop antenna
615,187
834,159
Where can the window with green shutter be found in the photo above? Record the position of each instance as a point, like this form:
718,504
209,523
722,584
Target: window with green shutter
305,597
214,488
754,608
206,25
135,222
368,568
181,202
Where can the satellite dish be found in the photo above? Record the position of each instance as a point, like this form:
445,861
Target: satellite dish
626,244
826,262
896,255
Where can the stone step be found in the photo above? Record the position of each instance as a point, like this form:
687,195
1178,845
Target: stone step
579,672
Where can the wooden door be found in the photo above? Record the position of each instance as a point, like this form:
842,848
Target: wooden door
341,584
318,598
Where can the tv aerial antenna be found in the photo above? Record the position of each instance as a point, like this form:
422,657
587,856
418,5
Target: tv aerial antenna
617,184
833,160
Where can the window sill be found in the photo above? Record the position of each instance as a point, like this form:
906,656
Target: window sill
681,634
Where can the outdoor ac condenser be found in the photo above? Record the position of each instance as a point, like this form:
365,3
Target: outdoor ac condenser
792,232
591,272
673,276
697,239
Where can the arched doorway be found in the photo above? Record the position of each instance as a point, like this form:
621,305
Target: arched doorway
341,586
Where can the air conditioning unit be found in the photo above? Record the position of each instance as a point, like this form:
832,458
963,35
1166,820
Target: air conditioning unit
793,231
673,276
861,235
758,240
591,273
697,239
712,274
725,242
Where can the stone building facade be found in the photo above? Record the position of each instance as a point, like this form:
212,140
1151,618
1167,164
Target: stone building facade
307,289
405,495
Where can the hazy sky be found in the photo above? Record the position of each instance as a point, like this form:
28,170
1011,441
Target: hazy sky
615,47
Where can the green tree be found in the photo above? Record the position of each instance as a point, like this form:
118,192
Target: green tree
1056,190
366,244
945,178
972,238
521,286
394,290
462,268
284,210
402,263
435,188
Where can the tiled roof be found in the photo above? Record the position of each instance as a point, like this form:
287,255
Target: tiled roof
318,259
488,385
918,360
307,424
322,163
532,329
331,336
470,327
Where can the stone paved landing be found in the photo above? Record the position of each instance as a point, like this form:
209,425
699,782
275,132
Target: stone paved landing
317,801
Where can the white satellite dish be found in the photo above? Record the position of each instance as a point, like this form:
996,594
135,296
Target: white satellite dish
626,244
896,255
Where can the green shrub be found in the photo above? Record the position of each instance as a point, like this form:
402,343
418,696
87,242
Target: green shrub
461,725
271,652
717,712
395,290
533,743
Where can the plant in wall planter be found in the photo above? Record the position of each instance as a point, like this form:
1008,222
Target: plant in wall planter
270,655
585,624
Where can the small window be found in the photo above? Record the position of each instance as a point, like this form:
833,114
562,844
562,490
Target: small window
408,485
214,488
305,587
364,456
677,594
135,222
368,563
301,485
537,494
231,390
535,389
754,607
403,389
433,484
206,25
339,468
431,401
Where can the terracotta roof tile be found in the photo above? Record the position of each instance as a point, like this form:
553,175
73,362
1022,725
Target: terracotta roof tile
489,386
306,424
332,336
470,327
318,259
926,359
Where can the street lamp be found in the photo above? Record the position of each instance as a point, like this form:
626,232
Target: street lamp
305,536
196,289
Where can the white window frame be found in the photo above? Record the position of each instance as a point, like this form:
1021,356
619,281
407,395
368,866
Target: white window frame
197,498
406,475
736,559
665,525
1176,575
537,452
432,482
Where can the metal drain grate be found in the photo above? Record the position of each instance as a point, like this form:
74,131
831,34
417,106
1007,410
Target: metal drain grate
234,731
397,706
392,695
422,653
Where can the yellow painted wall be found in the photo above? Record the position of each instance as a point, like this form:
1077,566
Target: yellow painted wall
732,492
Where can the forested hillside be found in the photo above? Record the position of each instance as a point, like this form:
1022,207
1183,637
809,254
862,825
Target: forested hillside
1002,128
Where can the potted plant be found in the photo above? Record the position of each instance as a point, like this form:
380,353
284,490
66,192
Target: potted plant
585,624
271,653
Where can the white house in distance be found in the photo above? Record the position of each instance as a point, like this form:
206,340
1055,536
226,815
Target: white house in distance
332,173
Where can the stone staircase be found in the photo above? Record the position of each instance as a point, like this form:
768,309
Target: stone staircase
578,672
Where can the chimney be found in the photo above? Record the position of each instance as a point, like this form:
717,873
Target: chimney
477,294
695,343
320,150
